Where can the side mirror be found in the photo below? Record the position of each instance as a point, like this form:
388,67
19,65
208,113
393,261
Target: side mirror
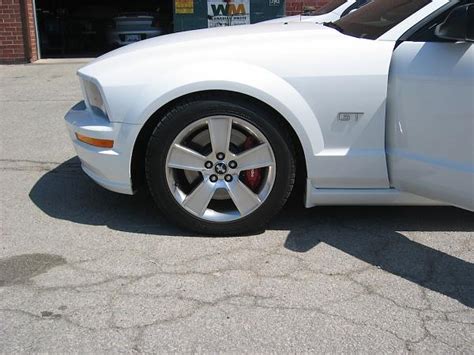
458,25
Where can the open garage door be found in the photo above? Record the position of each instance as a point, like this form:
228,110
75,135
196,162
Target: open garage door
87,28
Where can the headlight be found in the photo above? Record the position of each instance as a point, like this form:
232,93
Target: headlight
94,97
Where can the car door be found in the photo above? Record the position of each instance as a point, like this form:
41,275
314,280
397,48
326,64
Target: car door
430,118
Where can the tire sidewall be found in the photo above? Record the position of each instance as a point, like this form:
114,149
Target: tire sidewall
182,116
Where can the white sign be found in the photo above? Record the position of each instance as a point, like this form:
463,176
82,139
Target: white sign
228,12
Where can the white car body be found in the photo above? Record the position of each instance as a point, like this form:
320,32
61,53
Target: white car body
392,125
330,16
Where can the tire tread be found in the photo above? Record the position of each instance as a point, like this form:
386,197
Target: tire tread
230,228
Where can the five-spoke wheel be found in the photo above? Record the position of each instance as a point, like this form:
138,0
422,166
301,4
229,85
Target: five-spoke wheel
207,161
215,167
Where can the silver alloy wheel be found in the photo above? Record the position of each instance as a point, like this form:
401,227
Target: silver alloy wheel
206,163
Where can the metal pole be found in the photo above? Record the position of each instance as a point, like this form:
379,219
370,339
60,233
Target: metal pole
38,47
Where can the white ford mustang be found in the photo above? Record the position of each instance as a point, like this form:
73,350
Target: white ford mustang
374,109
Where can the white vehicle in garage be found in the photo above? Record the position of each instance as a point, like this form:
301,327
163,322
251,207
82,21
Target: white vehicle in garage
332,11
130,28
373,109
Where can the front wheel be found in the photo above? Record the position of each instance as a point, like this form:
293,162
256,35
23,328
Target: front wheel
219,167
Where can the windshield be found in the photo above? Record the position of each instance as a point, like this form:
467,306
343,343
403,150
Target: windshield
374,19
330,6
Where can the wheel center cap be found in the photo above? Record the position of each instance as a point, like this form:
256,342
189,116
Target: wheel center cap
220,168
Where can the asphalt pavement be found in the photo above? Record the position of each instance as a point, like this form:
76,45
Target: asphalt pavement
83,269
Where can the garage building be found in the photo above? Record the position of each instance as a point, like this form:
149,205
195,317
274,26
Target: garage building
33,29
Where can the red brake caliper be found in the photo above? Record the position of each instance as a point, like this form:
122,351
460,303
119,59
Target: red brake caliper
252,177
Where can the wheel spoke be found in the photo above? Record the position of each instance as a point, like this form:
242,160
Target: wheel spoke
254,158
186,159
217,166
220,130
244,199
198,200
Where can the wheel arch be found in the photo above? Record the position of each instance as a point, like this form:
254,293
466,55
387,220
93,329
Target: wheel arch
137,164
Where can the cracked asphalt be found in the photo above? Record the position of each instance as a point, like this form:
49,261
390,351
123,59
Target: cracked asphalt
87,270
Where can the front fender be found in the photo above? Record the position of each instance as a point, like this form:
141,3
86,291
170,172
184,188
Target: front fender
250,80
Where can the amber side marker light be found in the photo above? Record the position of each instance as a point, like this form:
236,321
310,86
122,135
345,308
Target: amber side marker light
101,143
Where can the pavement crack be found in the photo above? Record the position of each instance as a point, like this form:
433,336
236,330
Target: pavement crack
66,168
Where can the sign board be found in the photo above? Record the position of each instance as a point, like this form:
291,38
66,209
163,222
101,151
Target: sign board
228,12
184,6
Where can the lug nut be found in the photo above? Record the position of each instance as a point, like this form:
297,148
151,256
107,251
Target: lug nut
220,156
232,164
228,178
208,164
213,178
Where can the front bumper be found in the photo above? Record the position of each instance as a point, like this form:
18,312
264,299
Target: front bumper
109,168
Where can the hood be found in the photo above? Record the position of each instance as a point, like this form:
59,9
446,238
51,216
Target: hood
294,18
330,16
233,42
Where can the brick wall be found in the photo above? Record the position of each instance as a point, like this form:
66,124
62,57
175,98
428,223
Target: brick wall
17,32
295,7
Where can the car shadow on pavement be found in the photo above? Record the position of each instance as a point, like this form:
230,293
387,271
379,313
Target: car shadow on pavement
375,235
371,234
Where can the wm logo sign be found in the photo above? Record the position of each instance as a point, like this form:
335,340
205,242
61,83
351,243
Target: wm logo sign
228,10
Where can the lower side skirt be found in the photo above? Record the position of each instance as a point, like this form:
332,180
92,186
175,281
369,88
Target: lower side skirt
363,197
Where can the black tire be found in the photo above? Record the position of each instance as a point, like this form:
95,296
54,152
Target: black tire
177,119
